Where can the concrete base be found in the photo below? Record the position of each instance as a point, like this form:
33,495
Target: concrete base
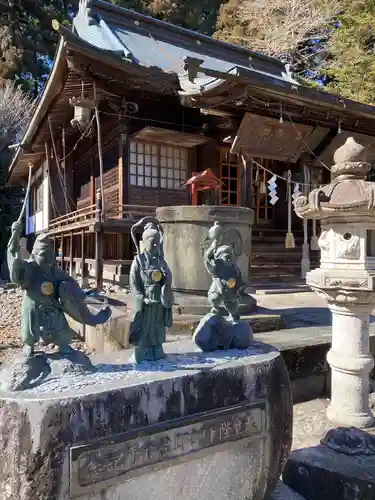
188,303
344,467
158,430
110,337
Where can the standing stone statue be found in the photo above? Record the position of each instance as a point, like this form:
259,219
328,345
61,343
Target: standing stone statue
215,330
49,294
151,288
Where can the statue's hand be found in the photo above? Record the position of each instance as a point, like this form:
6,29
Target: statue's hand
14,240
16,227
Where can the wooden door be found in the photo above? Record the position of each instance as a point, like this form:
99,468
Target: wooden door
229,173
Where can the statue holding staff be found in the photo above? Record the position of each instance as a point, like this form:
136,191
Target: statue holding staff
151,288
49,293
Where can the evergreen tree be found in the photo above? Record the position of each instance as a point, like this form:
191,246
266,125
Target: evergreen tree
330,43
350,61
197,15
28,43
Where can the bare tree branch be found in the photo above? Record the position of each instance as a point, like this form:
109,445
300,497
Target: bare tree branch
16,109
275,27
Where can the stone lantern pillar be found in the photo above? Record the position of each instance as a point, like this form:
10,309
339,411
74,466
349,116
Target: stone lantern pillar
346,278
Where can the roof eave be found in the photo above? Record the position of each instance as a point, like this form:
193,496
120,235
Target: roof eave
284,88
52,87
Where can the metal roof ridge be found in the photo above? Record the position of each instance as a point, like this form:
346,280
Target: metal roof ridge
101,5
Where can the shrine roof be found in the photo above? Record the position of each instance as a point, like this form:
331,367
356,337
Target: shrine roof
158,55
151,43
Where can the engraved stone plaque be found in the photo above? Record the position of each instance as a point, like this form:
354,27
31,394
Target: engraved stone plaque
101,464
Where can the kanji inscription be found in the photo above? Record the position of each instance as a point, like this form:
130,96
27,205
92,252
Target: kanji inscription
129,455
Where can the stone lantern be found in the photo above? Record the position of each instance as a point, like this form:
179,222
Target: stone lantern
346,278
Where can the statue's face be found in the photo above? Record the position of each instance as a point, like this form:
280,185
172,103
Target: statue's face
225,255
151,242
44,257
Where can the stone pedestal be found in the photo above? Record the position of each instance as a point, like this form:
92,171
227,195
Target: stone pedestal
351,363
210,426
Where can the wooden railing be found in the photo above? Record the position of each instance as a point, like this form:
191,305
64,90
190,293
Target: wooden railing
130,212
122,212
80,215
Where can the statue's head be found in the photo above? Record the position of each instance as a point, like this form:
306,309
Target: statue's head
151,239
225,255
43,253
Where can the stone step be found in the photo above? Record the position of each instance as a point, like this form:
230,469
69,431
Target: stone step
275,269
264,258
275,233
281,288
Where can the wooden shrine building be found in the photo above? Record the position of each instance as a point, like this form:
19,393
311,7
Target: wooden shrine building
134,107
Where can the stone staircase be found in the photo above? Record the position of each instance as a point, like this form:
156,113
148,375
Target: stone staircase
272,263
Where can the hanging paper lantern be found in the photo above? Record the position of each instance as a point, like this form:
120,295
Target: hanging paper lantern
272,187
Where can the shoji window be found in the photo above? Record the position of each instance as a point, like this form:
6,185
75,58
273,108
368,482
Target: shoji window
158,166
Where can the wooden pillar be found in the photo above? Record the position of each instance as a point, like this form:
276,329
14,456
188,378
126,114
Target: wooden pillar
100,153
119,239
84,277
92,184
194,192
98,241
249,179
121,166
62,252
71,255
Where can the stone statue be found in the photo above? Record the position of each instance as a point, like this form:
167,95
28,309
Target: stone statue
49,294
227,283
215,331
151,288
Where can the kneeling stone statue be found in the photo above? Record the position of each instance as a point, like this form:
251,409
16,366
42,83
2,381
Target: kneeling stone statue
216,331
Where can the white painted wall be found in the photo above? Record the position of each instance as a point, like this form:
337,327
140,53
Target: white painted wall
38,222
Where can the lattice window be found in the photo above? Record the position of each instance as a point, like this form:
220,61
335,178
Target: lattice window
144,163
36,195
152,165
173,167
230,178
